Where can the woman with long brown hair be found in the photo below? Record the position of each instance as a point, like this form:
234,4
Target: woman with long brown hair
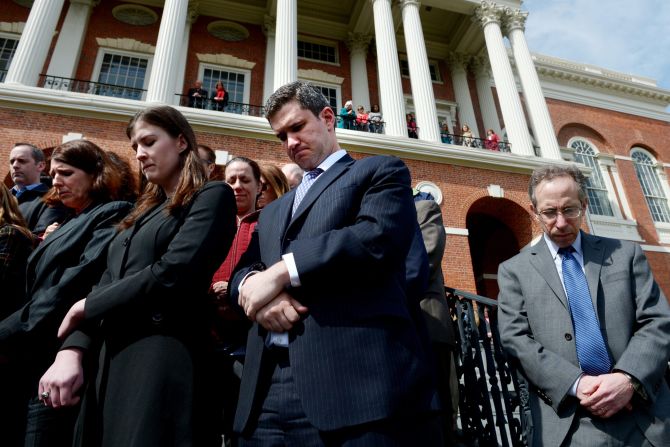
151,309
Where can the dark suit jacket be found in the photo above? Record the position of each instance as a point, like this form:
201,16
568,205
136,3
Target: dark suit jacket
15,247
357,356
197,102
536,328
37,214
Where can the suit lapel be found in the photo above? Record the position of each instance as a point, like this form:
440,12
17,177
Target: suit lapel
544,264
593,262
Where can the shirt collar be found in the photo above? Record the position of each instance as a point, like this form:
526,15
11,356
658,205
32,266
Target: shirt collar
553,248
332,159
27,188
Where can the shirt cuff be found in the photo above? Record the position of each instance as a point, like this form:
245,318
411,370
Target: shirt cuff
289,260
251,273
573,390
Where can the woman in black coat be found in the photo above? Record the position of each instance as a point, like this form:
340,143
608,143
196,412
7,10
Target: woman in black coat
61,270
151,307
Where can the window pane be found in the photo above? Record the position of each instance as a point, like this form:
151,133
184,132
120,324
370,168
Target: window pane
7,50
595,184
651,187
125,74
318,52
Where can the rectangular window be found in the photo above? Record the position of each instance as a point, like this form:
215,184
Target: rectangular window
7,50
317,52
122,76
432,66
232,81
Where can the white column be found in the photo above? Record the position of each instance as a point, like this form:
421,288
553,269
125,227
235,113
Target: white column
389,70
65,57
358,50
31,52
178,89
489,15
268,75
419,71
537,106
286,43
459,77
166,58
485,95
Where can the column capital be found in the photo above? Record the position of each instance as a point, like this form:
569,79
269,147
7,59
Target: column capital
480,66
488,12
515,19
458,61
404,3
358,42
193,12
91,3
269,25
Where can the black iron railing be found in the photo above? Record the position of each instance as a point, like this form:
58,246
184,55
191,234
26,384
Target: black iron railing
210,104
493,397
372,126
478,143
90,87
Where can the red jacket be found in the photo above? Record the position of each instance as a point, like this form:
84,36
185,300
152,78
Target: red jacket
245,228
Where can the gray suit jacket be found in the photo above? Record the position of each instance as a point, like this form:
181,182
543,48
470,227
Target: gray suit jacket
536,328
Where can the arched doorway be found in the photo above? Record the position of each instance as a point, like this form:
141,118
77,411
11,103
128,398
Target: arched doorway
497,230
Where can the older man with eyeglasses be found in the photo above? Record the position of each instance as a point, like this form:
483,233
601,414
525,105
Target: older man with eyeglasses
588,324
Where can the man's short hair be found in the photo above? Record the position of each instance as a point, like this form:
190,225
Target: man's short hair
550,172
211,156
35,151
305,94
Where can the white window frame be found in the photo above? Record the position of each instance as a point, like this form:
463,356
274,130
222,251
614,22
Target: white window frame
439,80
324,42
11,36
609,187
102,51
337,87
662,228
247,77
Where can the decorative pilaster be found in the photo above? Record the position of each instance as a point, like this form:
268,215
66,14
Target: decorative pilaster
482,70
422,85
168,46
393,103
31,52
358,49
191,17
65,58
537,107
459,76
286,43
489,16
269,25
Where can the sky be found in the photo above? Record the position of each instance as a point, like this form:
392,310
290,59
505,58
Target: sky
628,36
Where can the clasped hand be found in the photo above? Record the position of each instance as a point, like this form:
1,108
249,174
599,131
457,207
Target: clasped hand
606,394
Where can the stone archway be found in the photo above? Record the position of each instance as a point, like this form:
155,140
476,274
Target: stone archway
497,230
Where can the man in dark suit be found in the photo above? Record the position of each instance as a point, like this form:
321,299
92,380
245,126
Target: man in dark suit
588,325
334,356
197,96
26,164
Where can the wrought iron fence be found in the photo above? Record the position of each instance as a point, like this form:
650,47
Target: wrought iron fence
232,107
90,87
493,397
478,143
372,126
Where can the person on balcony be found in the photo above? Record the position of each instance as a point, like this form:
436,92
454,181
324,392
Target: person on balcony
220,97
362,119
197,96
466,136
375,119
445,137
412,130
588,325
492,140
347,116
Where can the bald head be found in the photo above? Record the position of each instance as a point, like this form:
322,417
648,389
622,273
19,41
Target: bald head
293,174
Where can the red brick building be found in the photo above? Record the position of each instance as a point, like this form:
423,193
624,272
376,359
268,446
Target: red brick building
81,68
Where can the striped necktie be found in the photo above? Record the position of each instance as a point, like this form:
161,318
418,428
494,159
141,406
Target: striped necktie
307,181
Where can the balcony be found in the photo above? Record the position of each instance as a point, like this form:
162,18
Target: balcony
477,143
90,87
238,108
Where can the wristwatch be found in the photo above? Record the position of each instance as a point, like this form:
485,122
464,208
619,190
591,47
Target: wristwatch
635,384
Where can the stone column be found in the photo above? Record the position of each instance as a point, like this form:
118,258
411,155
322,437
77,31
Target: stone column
268,76
389,70
168,45
485,95
178,89
286,43
65,57
360,89
422,85
535,102
31,52
459,76
489,16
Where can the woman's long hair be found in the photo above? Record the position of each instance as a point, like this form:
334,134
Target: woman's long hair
10,213
87,156
275,179
192,176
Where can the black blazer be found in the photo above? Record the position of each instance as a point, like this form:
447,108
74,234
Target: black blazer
39,215
357,356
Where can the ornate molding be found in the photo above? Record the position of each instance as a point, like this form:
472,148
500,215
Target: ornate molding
458,61
358,42
126,44
193,12
269,25
319,76
515,19
404,3
480,66
12,27
487,13
226,59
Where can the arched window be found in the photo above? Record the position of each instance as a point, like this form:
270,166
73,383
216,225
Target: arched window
651,186
599,202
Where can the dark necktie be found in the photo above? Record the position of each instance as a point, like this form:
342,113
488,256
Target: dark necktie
307,181
591,349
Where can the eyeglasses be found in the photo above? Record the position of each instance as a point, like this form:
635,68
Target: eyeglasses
206,162
570,212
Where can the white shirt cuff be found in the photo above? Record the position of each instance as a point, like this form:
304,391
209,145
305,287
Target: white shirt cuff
289,260
573,390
